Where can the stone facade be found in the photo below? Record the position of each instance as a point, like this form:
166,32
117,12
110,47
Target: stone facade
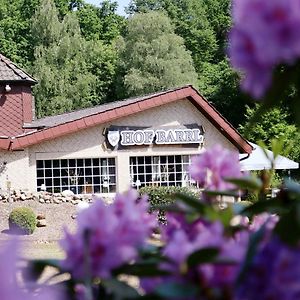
20,169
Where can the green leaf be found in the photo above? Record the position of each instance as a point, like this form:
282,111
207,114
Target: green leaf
141,269
288,227
120,289
202,256
271,206
191,202
247,182
173,290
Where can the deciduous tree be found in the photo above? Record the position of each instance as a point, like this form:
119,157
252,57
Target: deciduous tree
153,57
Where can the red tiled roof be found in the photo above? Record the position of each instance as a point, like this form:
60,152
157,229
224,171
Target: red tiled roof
61,125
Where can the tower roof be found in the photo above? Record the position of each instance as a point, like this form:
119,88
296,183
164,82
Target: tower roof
11,72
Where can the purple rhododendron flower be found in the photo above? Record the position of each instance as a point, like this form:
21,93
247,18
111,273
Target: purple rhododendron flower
264,219
274,273
107,236
182,241
213,166
265,34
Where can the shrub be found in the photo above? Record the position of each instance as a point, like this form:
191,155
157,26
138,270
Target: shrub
22,220
161,196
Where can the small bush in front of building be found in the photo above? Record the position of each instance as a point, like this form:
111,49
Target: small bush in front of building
22,220
162,196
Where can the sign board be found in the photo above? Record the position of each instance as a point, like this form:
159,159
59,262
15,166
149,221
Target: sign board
160,136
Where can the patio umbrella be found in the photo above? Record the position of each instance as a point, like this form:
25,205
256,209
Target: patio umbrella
257,160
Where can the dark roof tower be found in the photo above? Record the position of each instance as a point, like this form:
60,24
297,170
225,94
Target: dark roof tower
16,101
11,72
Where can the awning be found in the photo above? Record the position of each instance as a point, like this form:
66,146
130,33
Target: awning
257,160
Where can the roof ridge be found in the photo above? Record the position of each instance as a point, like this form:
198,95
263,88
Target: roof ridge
17,70
137,98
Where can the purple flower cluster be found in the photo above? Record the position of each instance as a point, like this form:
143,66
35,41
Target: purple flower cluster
212,167
274,274
265,34
107,236
182,239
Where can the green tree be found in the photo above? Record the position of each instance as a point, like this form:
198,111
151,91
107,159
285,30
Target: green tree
15,37
204,24
273,125
101,23
190,20
72,72
153,57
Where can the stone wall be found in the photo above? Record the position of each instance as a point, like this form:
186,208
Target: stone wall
47,198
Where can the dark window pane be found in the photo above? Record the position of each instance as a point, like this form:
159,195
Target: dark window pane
111,161
178,159
40,164
48,183
96,180
88,171
48,163
72,163
88,162
141,160
48,173
56,173
79,162
112,170
56,182
56,163
64,163
40,173
95,162
96,171
148,160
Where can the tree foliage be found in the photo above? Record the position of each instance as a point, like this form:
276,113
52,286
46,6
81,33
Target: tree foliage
204,24
274,124
72,72
153,57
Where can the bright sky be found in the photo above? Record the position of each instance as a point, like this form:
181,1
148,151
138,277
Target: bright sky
122,4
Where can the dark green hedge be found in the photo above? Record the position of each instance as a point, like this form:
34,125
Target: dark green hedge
22,220
161,196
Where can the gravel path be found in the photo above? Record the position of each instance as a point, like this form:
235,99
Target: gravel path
57,216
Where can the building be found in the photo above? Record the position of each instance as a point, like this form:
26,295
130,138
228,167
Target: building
139,141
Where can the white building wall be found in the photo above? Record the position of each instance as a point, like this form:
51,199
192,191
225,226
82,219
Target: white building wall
88,143
17,172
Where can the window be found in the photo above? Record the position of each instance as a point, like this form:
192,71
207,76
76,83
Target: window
81,176
160,170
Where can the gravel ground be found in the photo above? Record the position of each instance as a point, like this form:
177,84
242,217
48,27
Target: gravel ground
57,216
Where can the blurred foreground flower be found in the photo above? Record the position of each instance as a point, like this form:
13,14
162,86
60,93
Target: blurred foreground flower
107,236
9,290
13,287
212,167
265,34
274,274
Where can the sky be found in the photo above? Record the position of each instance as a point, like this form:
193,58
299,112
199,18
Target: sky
122,4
